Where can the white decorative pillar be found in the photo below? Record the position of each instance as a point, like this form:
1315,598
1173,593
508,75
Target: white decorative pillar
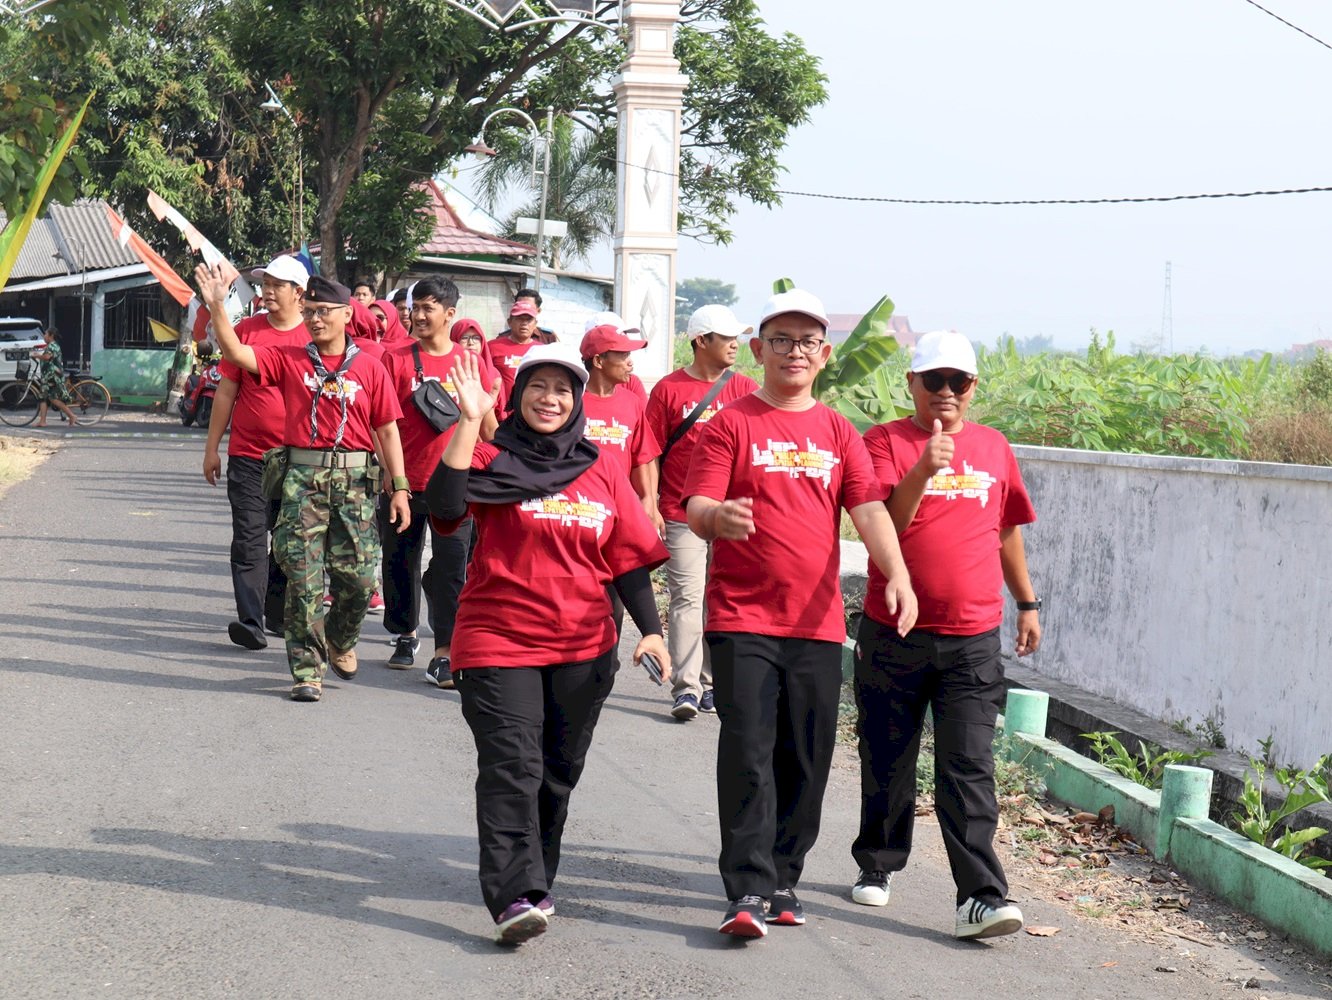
649,94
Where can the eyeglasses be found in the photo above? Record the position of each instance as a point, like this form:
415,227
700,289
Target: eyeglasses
470,338
959,382
783,345
321,312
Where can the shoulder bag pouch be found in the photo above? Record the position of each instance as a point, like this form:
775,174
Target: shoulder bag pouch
430,398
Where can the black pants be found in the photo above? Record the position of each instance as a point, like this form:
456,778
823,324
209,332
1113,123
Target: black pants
444,576
962,677
532,727
256,578
777,701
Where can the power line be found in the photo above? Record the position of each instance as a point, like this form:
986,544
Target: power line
1050,201
1288,24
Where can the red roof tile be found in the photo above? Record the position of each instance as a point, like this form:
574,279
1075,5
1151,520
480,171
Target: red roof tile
453,237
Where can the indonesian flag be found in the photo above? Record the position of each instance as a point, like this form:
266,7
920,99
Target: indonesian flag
171,281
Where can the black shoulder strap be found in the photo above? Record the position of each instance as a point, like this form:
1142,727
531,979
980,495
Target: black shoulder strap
695,413
416,359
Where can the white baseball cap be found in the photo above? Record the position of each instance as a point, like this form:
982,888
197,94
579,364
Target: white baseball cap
285,268
715,319
610,319
944,349
554,354
797,300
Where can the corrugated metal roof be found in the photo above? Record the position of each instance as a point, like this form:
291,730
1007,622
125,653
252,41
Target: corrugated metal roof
87,235
38,257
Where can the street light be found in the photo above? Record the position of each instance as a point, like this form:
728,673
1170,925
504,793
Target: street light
481,149
274,103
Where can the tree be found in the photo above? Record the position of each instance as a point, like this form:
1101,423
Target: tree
35,106
396,90
694,293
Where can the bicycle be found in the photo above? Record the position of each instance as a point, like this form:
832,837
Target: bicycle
19,401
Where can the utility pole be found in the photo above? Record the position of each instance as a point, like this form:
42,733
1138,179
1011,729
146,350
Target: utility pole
1168,315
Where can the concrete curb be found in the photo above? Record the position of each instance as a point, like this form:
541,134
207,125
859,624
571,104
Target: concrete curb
1291,898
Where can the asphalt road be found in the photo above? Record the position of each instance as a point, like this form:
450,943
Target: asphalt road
172,826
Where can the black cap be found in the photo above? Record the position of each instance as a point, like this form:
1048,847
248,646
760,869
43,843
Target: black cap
319,289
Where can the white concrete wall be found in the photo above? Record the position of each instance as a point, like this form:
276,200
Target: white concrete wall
1188,588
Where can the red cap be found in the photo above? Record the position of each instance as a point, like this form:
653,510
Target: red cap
600,339
523,307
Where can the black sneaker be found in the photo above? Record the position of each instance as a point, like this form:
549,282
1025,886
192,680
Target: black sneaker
873,888
708,703
986,916
404,653
746,917
439,672
785,909
242,635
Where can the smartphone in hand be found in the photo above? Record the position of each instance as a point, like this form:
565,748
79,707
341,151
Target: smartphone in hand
652,666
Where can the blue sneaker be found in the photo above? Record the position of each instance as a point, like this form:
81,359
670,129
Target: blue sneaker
685,707
708,703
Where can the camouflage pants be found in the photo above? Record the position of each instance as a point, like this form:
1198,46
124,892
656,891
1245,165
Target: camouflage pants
326,523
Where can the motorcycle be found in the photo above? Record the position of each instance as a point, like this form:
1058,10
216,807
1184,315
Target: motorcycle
196,403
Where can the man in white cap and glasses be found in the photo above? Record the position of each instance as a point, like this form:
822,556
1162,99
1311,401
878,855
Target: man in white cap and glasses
680,407
256,415
768,481
958,501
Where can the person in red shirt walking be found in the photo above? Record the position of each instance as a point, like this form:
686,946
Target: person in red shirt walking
338,405
767,484
255,414
556,518
429,357
679,408
958,501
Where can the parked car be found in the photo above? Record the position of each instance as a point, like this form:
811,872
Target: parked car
17,339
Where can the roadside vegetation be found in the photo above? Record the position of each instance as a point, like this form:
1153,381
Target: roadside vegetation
19,457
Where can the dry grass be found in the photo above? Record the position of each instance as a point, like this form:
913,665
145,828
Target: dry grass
1296,436
19,457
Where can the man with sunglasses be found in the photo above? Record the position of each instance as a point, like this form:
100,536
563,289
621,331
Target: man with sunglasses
958,502
767,483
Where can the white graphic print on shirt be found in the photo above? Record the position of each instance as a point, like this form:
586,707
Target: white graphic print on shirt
607,434
329,389
580,511
811,462
970,485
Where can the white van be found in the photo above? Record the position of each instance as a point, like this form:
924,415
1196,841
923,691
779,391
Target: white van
17,339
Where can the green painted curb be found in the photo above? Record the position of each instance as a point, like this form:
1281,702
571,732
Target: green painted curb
1293,899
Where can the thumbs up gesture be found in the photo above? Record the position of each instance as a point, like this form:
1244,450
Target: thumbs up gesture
938,453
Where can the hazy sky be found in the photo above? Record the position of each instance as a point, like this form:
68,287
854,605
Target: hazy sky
1051,99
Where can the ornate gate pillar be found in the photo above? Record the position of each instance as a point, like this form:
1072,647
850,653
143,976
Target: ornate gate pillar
648,94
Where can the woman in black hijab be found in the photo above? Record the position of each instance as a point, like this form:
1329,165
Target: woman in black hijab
534,644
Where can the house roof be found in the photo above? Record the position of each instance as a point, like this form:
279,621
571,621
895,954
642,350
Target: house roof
69,239
453,237
840,326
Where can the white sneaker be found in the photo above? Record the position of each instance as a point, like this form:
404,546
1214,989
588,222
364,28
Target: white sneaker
979,918
872,889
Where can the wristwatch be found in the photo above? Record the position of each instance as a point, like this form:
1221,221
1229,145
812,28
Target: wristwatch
1029,605
401,483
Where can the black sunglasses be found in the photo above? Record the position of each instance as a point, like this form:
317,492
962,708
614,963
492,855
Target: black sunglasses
933,381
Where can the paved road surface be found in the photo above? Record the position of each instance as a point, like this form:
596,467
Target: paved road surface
172,826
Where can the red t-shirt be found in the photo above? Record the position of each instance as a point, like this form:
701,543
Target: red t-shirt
370,399
422,445
507,355
634,385
257,419
536,586
673,399
951,546
615,424
373,348
801,469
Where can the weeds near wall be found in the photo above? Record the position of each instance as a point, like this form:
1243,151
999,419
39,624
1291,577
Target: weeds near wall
1269,827
1147,766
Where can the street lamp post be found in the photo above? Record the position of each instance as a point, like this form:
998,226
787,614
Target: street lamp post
481,149
274,103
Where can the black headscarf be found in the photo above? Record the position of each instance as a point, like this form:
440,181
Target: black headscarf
531,464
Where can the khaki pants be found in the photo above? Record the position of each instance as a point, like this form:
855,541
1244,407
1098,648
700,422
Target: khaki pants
686,576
